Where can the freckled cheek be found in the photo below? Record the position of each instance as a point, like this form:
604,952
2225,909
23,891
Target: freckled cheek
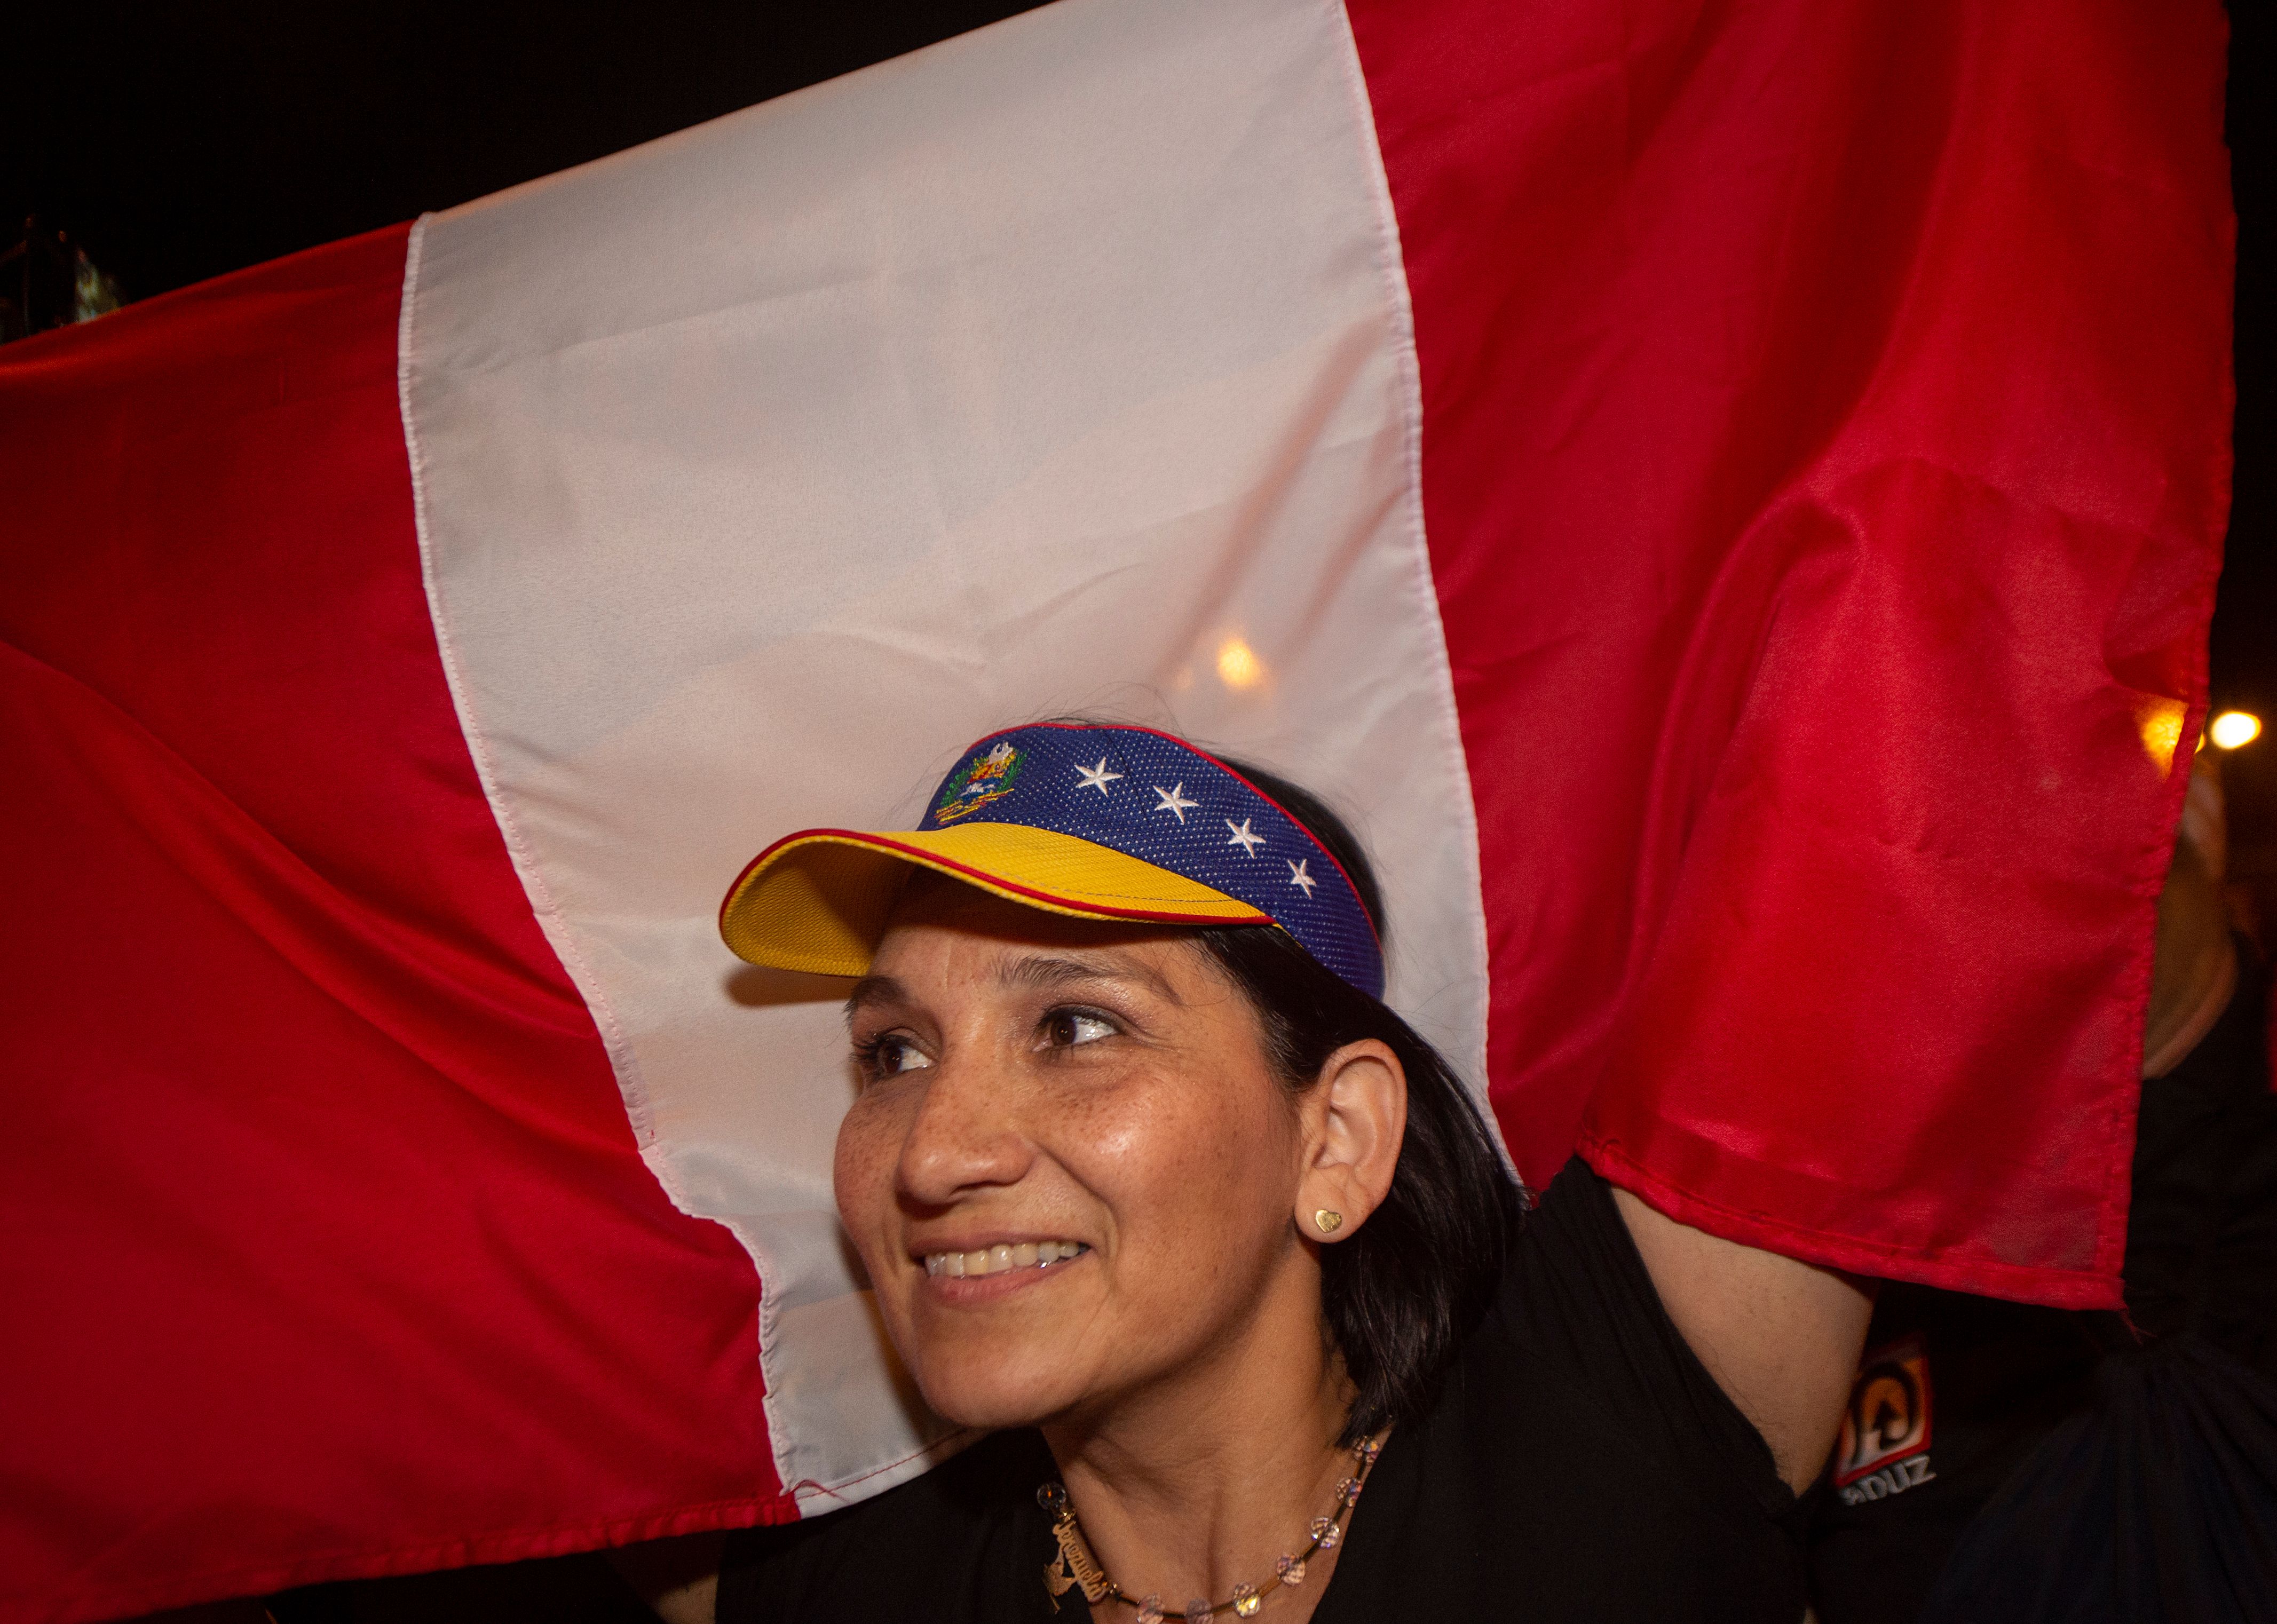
861,1172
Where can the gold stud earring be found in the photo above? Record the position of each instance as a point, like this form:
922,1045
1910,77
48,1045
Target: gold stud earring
1328,1222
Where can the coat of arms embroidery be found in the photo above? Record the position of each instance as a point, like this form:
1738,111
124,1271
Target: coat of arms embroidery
984,779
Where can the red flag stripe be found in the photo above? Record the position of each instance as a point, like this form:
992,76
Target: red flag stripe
332,1338
1824,414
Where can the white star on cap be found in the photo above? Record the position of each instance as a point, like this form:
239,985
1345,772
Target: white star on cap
1096,777
1243,838
1298,877
1174,800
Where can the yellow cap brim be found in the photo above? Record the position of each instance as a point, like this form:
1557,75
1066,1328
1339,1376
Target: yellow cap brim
816,901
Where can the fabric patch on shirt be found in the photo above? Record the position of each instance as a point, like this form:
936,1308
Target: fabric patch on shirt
1884,1449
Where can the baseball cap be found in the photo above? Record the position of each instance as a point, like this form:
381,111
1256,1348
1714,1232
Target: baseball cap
1098,821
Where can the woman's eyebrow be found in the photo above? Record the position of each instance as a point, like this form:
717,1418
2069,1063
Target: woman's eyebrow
873,989
1049,973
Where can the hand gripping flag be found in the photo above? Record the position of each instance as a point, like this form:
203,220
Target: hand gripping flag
1727,499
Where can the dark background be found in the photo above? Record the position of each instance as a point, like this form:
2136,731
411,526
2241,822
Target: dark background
2245,616
178,141
2244,647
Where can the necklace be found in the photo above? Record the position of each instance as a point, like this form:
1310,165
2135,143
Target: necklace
1077,1568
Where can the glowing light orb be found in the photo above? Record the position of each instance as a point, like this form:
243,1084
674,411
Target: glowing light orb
1237,664
2233,728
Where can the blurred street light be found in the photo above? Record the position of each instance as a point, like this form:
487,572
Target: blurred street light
2233,728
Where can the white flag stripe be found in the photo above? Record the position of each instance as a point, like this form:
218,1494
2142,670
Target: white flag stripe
1063,367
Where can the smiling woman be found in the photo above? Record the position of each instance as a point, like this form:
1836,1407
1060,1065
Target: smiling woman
1165,1078
1154,1188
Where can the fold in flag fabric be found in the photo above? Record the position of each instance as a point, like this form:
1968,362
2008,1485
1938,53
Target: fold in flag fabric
1727,498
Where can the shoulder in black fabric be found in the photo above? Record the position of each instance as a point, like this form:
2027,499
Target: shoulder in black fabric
963,1545
1580,1464
2158,1504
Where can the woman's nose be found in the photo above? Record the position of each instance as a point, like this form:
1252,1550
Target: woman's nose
965,1134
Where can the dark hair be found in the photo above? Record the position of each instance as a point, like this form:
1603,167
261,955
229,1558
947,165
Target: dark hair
1403,1291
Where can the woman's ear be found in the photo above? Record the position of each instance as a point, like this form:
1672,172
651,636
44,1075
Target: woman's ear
1355,1118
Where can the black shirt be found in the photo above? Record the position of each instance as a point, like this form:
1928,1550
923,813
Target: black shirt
1578,1463
2000,1384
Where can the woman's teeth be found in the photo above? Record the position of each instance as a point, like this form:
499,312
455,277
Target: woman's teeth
996,1260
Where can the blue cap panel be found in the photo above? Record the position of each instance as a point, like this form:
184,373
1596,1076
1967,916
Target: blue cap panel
1157,798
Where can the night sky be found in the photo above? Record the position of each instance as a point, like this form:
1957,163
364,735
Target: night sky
179,142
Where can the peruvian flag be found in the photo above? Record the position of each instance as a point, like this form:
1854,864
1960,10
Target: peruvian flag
1727,498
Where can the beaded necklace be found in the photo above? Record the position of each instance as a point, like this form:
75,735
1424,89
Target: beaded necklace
1077,1568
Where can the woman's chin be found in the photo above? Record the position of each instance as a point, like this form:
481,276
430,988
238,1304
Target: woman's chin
972,1388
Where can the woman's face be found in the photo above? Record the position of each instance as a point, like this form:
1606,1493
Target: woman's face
1040,1087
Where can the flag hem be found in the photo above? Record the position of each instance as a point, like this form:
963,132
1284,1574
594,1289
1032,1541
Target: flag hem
2055,1288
